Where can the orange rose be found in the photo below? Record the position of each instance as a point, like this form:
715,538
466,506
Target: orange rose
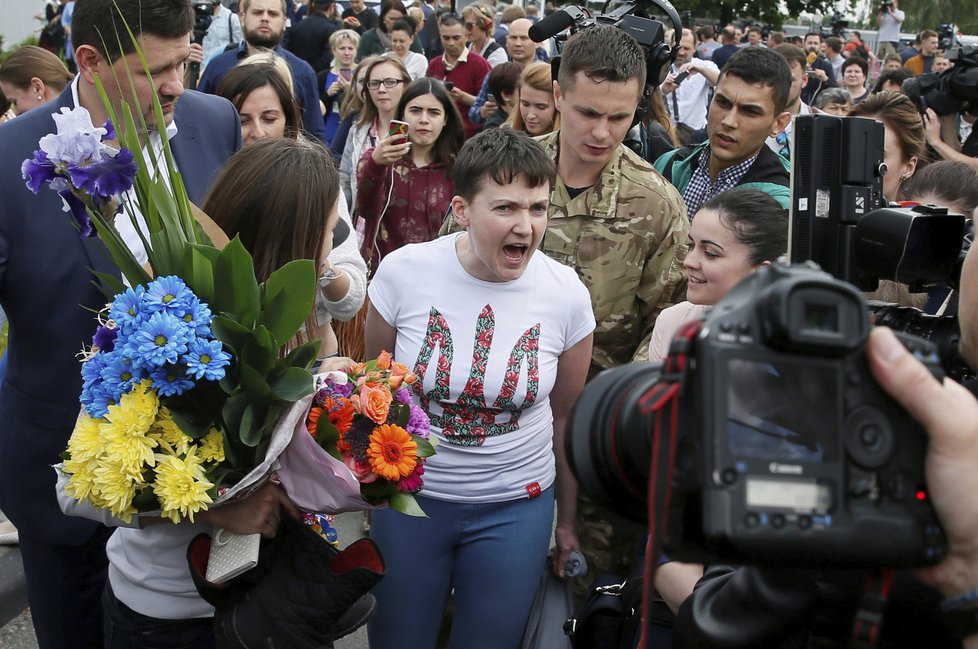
398,372
384,361
375,402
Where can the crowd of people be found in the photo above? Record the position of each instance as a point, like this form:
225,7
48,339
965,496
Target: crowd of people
453,188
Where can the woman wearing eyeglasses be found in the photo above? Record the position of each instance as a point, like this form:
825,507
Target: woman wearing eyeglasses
405,182
385,78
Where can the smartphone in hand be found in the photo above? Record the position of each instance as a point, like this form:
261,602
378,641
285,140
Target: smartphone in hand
398,128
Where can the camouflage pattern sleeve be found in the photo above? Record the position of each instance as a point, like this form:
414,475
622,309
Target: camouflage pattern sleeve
663,280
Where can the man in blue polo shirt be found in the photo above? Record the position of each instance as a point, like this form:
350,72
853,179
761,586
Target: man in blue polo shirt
263,23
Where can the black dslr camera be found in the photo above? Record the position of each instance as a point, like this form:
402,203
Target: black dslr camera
788,452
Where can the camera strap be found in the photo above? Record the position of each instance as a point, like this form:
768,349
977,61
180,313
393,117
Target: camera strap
662,401
869,615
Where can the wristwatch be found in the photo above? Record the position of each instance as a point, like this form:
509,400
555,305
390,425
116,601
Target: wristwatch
328,277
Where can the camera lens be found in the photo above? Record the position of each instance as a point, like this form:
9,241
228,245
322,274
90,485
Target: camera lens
609,439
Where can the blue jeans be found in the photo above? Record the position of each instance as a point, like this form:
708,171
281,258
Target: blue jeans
492,554
127,629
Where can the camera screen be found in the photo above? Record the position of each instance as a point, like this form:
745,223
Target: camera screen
779,410
796,495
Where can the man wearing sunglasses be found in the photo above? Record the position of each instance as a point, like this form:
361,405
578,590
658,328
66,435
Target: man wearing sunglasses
462,70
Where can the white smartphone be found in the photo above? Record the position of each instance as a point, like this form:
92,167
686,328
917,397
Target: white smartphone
231,555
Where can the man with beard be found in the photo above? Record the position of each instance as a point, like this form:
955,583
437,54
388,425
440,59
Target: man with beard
821,74
263,22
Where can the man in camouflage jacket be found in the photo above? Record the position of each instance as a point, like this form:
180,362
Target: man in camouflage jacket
613,218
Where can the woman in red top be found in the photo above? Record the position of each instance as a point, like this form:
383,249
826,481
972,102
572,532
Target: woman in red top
405,184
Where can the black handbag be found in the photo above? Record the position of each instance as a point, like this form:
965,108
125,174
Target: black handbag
609,616
296,596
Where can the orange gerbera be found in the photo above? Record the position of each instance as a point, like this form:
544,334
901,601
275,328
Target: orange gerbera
392,453
312,420
341,413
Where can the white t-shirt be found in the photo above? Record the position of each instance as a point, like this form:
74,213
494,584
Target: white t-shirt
689,102
890,27
416,64
486,358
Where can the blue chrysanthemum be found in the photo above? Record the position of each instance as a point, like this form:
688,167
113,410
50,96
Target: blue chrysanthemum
170,380
206,359
127,310
91,370
99,402
168,294
159,340
119,376
198,316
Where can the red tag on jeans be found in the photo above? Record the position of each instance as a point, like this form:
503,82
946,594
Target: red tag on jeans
533,489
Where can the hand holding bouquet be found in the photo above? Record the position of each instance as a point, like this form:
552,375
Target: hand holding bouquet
365,418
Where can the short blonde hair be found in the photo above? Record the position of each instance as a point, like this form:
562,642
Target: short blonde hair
273,59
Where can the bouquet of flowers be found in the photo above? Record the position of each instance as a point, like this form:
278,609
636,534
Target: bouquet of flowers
364,418
189,373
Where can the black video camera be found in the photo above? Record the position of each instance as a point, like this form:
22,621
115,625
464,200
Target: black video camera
788,452
840,220
631,17
885,6
949,92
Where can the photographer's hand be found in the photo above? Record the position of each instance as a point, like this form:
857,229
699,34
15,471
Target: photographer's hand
950,414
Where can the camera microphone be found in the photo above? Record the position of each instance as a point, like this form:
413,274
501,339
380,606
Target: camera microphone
555,23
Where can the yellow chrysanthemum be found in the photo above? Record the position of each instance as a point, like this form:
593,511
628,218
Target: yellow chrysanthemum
212,446
115,489
165,431
127,446
85,443
392,453
144,401
181,486
82,480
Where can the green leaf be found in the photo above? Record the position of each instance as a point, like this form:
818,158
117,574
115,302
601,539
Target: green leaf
193,426
293,384
425,448
402,414
249,429
288,299
260,352
327,436
405,503
231,333
233,410
235,287
254,384
109,285
304,355
201,275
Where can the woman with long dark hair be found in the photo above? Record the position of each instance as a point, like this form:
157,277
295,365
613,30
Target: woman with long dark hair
405,182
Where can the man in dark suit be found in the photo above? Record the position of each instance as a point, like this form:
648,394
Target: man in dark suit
47,292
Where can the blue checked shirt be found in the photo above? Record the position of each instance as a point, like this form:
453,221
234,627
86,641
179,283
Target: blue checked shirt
700,189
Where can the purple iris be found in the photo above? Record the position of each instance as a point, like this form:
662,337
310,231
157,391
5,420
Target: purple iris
104,338
109,177
37,171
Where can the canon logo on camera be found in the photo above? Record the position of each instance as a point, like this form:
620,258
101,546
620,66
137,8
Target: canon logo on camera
785,469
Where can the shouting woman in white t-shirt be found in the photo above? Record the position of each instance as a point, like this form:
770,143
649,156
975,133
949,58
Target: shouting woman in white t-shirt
500,339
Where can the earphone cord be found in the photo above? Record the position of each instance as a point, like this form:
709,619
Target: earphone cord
390,193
